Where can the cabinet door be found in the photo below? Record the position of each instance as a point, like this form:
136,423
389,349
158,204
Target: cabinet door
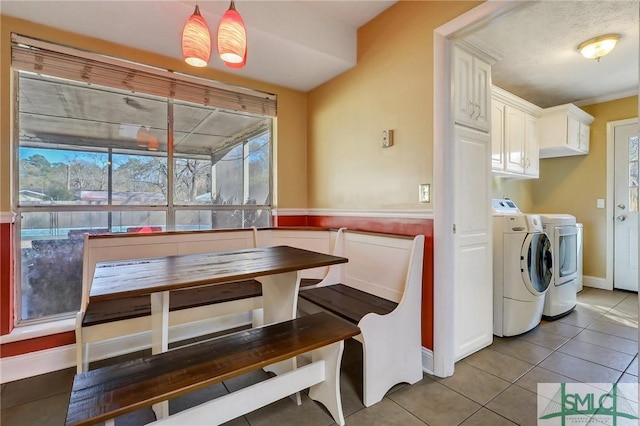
481,94
463,87
473,280
573,133
583,138
514,139
497,136
532,157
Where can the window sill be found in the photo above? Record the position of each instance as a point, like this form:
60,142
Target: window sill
33,331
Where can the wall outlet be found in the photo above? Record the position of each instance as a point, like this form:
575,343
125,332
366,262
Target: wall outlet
387,138
600,203
425,193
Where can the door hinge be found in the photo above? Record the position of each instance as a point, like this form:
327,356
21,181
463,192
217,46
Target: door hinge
454,228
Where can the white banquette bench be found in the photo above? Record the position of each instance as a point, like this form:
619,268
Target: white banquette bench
106,393
380,290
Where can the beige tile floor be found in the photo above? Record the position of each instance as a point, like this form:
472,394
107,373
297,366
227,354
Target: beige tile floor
598,342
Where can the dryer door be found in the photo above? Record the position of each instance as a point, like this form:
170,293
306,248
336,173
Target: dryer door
536,262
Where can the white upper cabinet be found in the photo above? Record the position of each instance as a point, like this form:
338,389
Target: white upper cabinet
514,135
472,89
564,131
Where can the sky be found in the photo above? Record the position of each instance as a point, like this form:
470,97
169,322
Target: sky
52,155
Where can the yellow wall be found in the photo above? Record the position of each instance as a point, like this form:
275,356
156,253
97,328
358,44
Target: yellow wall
291,142
390,88
518,190
572,184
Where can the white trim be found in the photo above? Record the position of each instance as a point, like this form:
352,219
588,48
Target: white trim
443,158
35,363
611,128
33,331
607,98
596,282
7,217
288,212
61,357
395,214
427,360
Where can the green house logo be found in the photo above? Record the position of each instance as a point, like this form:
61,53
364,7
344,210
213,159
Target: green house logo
587,403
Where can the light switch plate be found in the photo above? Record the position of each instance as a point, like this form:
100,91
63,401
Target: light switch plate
600,203
387,138
425,193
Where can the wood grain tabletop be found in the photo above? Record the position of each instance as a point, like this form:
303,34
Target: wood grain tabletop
116,279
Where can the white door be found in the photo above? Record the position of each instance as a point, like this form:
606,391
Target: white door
625,206
473,276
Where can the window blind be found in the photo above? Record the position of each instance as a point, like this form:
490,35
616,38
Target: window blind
63,62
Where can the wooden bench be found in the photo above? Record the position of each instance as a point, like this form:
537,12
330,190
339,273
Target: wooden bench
380,290
112,391
130,316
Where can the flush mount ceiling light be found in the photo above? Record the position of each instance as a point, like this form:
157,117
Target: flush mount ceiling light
232,39
196,40
597,47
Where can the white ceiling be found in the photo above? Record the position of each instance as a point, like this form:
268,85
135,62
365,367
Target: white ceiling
301,44
296,44
540,61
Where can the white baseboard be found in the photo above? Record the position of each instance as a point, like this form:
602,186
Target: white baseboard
427,360
48,360
35,363
595,282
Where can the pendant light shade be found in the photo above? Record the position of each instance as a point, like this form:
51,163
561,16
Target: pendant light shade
196,40
232,39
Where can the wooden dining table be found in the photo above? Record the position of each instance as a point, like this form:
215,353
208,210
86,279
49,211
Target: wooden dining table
277,268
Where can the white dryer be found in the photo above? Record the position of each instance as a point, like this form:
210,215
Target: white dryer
562,295
522,269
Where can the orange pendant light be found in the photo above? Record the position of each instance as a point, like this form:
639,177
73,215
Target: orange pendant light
196,40
232,39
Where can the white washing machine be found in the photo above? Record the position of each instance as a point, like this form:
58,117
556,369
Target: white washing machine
561,297
521,269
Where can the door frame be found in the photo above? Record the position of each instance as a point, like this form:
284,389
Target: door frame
443,160
611,127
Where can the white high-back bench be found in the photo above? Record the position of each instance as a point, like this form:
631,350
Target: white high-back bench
380,290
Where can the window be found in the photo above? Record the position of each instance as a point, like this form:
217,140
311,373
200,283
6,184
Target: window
102,158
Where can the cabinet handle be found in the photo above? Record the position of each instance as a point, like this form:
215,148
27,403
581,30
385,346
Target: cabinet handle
479,110
471,109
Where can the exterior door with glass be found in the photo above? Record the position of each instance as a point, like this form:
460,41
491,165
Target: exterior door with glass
625,258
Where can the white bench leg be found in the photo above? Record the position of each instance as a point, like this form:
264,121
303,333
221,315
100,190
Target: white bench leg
243,401
328,391
388,358
280,303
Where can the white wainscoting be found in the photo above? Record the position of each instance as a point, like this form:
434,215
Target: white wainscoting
48,360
